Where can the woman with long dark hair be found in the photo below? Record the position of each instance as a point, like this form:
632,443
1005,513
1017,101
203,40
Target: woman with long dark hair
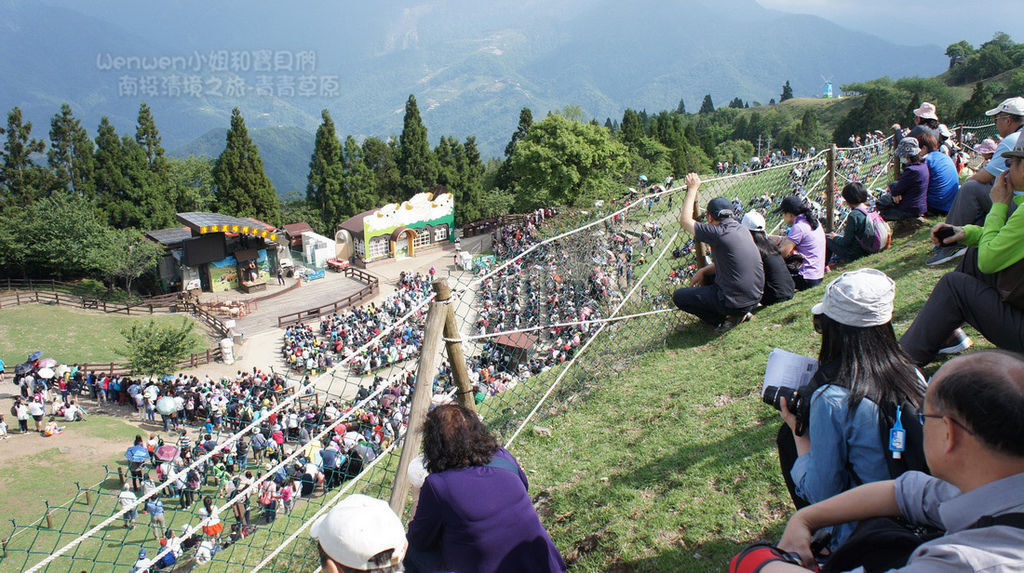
805,238
474,514
862,376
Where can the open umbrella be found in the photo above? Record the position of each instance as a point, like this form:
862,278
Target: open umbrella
166,452
46,373
166,406
166,378
22,369
136,454
47,363
643,178
34,356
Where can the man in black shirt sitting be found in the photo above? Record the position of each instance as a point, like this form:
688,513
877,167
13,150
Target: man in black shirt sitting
722,293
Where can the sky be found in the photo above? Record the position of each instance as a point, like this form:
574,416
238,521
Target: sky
915,22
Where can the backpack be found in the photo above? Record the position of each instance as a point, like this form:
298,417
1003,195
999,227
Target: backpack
885,543
14,410
878,235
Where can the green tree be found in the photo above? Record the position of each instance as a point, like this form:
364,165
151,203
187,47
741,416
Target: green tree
415,161
127,189
155,350
681,108
787,92
382,159
982,99
707,106
325,173
70,156
21,180
564,161
504,177
124,254
632,128
958,52
242,187
148,136
736,103
191,183
51,237
358,186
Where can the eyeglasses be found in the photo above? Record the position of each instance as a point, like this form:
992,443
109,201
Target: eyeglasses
1010,161
921,416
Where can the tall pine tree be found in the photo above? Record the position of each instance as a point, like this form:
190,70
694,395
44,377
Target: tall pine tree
21,181
147,135
70,156
707,106
242,186
504,177
324,186
415,161
787,92
358,185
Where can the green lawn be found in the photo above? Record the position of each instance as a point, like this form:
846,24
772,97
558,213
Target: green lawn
669,464
67,334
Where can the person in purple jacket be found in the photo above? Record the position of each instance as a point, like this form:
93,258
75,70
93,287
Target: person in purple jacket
908,195
474,514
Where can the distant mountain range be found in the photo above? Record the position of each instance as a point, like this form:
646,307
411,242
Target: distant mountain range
471,64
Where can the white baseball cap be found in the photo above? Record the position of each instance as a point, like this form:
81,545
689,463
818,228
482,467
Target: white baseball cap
1012,106
861,298
358,528
753,221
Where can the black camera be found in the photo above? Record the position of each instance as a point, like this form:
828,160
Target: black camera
797,401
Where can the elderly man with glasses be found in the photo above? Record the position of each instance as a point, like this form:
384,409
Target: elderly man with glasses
972,201
974,443
987,288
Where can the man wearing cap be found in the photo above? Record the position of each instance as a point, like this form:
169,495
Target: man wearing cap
972,201
360,534
970,293
724,292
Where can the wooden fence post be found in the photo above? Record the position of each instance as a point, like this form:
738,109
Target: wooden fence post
456,357
430,360
49,517
120,475
830,190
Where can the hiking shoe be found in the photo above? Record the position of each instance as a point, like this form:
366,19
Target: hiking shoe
730,322
956,343
945,254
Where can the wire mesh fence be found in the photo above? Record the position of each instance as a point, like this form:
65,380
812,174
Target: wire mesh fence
574,298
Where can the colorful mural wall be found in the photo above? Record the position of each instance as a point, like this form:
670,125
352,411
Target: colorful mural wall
421,211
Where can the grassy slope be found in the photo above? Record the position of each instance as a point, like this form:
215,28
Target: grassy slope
67,334
671,465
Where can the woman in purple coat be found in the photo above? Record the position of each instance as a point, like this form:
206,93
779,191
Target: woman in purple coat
474,514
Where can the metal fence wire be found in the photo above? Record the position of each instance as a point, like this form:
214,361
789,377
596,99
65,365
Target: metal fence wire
573,298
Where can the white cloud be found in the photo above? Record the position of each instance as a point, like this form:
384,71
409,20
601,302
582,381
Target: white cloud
938,22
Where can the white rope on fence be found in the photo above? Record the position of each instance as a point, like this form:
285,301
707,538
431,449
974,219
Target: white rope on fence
559,325
586,345
200,461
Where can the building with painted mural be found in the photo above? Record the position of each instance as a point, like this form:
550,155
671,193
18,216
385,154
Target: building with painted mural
215,253
426,221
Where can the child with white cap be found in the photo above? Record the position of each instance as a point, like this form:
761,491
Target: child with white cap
360,534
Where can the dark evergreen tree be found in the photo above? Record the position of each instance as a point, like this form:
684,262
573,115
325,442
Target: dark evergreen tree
608,124
632,130
21,181
70,156
981,101
147,135
242,186
324,182
771,101
382,159
357,181
787,92
736,103
415,161
681,108
707,106
525,121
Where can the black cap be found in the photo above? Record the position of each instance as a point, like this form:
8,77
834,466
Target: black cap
720,208
791,204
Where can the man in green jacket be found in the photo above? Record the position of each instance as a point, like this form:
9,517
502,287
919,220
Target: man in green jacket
969,294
